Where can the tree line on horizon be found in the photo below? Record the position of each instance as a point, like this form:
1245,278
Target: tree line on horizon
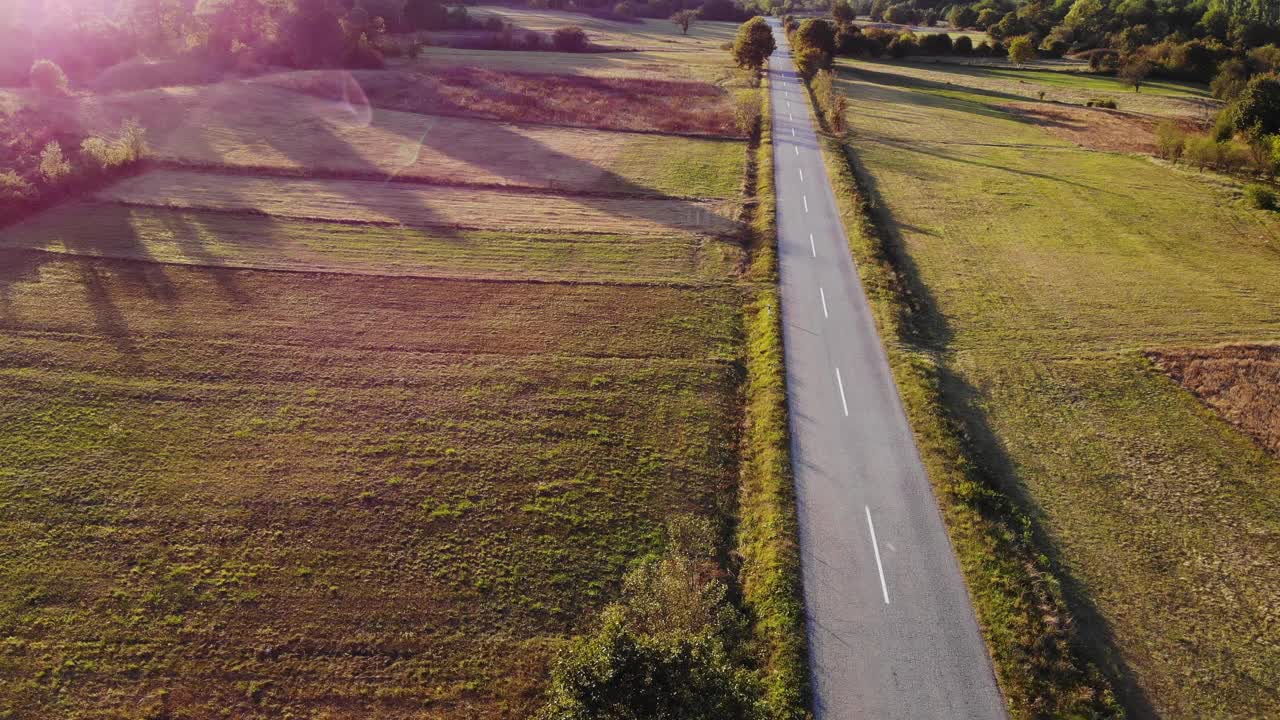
87,36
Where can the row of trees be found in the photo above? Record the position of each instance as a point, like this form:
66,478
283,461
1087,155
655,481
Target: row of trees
40,164
725,10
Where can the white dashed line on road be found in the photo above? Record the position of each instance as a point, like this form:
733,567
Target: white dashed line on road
813,248
822,293
843,402
884,589
801,171
806,202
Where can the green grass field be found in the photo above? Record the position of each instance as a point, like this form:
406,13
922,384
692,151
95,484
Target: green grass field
196,237
255,493
657,48
252,125
1042,272
1160,97
1099,84
339,447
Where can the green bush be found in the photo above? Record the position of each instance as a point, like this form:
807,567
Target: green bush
1224,125
1230,80
1170,140
1021,50
1203,151
667,649
1108,103
1257,110
746,111
809,60
1260,196
107,154
47,78
14,188
903,45
569,39
53,165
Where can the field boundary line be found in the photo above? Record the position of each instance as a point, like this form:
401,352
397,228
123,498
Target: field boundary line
710,285
768,532
170,163
256,212
161,339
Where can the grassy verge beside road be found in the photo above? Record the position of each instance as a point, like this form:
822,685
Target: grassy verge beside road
768,530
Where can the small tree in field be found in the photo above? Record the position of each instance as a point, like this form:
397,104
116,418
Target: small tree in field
684,19
753,44
53,164
1134,71
1021,51
47,78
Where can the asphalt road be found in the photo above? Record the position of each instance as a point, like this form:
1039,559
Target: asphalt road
892,633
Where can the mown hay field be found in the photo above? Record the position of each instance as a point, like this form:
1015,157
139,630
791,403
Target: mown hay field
252,125
250,240
609,103
651,34
260,493
421,205
1042,274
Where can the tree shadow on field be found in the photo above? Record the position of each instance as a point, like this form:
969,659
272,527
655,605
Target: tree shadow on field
932,150
887,78
324,149
926,327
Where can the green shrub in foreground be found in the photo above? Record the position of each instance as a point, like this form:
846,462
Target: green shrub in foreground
667,649
1260,196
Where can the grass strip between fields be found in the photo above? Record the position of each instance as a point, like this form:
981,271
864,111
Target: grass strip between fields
1019,602
768,529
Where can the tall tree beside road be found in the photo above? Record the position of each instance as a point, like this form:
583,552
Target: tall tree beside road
754,44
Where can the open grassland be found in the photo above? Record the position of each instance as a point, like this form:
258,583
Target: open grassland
651,34
248,125
260,493
1238,381
1161,98
197,237
608,103
651,65
421,205
1038,274
659,51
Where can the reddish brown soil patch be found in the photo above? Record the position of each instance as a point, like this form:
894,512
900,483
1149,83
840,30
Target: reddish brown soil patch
609,103
1240,382
1097,128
